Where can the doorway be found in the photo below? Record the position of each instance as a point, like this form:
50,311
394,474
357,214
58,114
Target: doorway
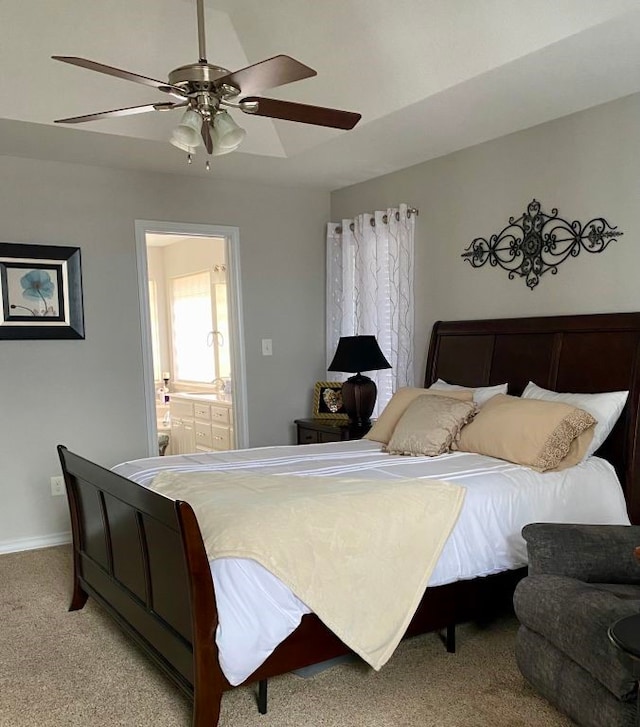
192,338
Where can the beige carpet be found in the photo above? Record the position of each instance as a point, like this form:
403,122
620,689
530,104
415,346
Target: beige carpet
77,669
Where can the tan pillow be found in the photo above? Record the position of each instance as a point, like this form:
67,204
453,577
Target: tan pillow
548,435
383,428
429,425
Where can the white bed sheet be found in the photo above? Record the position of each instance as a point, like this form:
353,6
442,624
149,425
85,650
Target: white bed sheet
257,611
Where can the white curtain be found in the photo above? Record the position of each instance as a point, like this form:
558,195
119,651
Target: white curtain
370,290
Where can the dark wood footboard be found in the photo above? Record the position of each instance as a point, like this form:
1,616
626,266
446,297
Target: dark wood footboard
141,556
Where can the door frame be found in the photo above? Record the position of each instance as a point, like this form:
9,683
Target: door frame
238,363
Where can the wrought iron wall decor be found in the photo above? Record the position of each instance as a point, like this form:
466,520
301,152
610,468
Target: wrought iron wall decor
537,242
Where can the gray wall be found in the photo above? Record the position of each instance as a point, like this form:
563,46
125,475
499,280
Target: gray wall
88,394
586,165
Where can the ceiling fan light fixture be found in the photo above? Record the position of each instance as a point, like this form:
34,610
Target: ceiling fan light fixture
230,135
220,150
202,88
187,132
183,147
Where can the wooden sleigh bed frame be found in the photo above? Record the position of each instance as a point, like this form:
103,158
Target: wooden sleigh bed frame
141,556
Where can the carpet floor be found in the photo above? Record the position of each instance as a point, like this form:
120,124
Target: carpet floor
60,669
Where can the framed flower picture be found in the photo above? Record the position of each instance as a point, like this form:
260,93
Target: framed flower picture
327,400
40,292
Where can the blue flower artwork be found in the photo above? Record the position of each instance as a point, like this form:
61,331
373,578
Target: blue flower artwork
38,292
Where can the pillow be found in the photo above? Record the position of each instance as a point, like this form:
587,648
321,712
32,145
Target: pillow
605,408
543,435
382,429
430,425
481,394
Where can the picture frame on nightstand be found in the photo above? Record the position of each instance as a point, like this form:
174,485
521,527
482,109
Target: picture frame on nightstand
327,401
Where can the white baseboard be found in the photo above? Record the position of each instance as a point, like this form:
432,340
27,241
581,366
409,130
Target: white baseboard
44,541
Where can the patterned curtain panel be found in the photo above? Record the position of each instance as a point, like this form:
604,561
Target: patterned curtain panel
370,290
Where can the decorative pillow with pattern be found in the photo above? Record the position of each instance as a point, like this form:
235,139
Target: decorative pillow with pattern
605,408
430,425
543,435
382,429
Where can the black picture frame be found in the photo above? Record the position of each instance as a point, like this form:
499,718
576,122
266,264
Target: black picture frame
40,292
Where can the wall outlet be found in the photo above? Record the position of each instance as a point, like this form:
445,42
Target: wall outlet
57,486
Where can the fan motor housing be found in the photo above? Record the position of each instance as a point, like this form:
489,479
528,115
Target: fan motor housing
197,73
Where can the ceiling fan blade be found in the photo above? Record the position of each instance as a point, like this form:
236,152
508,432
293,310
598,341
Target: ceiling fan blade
129,111
119,73
206,135
318,115
273,72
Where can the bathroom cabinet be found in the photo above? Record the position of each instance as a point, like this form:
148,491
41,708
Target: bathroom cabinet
201,423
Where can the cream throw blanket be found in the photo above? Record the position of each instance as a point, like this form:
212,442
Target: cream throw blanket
358,553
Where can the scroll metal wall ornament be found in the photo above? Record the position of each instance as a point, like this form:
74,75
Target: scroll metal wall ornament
537,242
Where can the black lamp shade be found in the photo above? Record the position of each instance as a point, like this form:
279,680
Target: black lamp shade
358,353
355,354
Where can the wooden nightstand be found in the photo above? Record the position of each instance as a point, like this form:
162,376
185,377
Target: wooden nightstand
312,431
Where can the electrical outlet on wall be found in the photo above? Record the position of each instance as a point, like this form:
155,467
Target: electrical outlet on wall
57,486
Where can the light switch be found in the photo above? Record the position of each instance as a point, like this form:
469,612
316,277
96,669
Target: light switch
267,349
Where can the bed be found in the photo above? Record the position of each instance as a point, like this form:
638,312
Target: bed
141,556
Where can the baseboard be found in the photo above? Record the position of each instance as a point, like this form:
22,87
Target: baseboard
44,541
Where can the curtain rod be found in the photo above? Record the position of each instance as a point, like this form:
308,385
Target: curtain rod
385,219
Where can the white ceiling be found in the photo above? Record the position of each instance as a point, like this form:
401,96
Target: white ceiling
428,76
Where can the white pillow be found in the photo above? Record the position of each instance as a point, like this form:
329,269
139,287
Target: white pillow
481,394
604,408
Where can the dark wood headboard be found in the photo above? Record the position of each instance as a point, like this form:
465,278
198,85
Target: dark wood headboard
590,353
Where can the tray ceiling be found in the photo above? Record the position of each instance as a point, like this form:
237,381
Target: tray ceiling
428,76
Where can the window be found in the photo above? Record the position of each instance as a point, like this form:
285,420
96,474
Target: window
370,290
200,329
191,325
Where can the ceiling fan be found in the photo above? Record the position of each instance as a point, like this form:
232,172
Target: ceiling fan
206,91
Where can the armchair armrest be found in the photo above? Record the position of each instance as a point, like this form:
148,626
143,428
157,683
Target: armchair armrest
591,553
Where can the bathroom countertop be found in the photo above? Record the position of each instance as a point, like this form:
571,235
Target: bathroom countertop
212,397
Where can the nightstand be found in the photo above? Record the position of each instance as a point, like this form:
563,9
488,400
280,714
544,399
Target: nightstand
312,431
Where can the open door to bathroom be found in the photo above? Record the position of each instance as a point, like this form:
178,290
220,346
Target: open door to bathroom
195,366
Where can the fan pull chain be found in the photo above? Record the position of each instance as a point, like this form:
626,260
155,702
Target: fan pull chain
207,164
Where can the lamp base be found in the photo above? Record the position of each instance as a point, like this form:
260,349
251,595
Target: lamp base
358,399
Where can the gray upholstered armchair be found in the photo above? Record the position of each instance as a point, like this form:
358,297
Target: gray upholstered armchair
582,578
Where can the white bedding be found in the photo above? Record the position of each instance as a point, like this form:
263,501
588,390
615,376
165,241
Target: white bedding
257,612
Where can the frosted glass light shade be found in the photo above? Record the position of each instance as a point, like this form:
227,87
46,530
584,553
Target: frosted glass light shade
183,147
220,150
187,132
230,135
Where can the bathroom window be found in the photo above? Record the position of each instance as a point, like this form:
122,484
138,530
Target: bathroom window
199,328
191,324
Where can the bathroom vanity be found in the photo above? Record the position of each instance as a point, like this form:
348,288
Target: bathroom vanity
201,422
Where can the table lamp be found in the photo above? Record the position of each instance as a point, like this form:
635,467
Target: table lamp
355,354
